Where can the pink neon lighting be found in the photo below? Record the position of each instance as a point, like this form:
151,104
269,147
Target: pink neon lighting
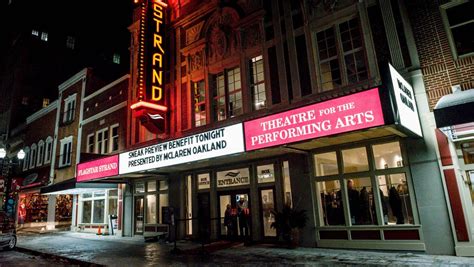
143,104
100,168
344,114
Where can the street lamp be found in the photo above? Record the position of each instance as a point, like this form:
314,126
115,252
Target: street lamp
6,166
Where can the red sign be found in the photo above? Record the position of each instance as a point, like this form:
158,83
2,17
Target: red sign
344,114
97,169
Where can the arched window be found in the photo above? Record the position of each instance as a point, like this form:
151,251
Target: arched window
48,150
33,156
27,158
39,161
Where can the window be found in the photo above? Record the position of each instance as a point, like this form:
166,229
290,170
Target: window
45,102
371,188
70,42
467,149
66,152
459,22
287,184
33,155
69,108
90,143
227,94
204,181
116,58
48,149
40,156
44,36
266,173
156,197
102,138
24,100
26,160
341,55
97,206
257,83
35,33
114,138
199,91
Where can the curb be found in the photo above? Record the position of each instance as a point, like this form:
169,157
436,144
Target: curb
58,257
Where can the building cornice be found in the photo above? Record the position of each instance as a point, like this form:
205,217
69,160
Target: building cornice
77,77
42,112
108,86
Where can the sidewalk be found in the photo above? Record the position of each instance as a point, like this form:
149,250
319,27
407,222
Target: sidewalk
91,250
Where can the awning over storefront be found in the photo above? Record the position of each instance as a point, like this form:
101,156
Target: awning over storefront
454,109
72,187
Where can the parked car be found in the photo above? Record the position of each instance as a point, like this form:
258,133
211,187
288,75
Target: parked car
7,232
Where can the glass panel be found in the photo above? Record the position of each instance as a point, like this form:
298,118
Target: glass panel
326,164
139,214
468,152
361,201
233,177
151,209
204,181
287,184
99,211
396,204
86,211
113,193
355,160
87,195
387,155
227,216
163,185
243,213
331,202
151,186
99,194
268,205
266,173
189,205
112,206
140,187
163,203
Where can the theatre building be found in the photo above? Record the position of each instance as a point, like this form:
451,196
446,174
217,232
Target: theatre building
262,104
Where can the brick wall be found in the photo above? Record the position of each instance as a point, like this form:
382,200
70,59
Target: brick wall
440,69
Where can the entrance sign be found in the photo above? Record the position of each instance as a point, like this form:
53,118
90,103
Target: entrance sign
233,178
353,112
97,169
406,102
210,144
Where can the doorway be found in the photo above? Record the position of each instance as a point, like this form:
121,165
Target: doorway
238,221
267,204
139,215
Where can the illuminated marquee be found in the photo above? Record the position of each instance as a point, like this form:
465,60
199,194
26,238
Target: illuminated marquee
151,107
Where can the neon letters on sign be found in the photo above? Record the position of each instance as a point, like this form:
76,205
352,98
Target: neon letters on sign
344,114
95,169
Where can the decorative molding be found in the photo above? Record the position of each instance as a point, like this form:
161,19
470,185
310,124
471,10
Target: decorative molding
108,86
42,112
222,36
196,61
193,33
77,77
252,36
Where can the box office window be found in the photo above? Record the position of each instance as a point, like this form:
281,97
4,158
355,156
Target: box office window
266,173
373,189
203,181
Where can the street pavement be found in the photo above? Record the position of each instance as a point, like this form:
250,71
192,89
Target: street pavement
93,250
16,258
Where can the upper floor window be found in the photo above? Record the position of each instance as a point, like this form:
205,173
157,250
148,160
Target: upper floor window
24,100
90,143
33,154
70,42
199,108
35,32
45,102
44,36
40,156
66,152
116,58
114,138
102,138
341,55
69,108
48,149
26,160
459,22
227,94
257,83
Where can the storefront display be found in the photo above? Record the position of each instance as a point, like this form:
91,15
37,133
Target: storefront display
32,208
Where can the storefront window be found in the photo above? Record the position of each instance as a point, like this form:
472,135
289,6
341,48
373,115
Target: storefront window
32,208
355,160
204,181
99,211
151,209
163,185
163,203
326,164
63,208
387,155
361,201
468,152
395,197
266,173
99,194
331,202
287,184
86,211
112,206
140,187
87,195
151,186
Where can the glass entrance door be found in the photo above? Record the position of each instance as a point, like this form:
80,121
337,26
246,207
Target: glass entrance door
235,217
267,198
139,215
